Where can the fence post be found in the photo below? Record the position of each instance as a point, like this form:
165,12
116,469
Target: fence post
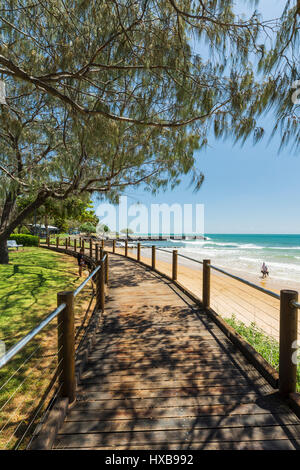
57,242
75,245
100,294
206,284
66,242
39,241
91,248
102,243
287,341
101,253
79,242
69,241
106,267
96,252
139,252
82,244
48,240
114,246
126,247
66,345
153,257
174,265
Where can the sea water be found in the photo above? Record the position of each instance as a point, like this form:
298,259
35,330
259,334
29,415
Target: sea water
245,254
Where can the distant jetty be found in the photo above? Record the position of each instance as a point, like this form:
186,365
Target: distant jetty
158,237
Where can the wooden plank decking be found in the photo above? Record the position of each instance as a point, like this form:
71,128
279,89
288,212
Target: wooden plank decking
162,375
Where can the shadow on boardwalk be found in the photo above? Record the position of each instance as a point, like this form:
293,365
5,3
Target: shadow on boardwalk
162,375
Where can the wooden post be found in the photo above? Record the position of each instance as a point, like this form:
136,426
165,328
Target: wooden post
75,245
48,240
106,267
79,242
287,340
114,246
82,244
126,247
39,241
174,265
138,255
66,242
91,248
153,257
100,294
96,252
57,242
206,284
102,244
66,345
69,241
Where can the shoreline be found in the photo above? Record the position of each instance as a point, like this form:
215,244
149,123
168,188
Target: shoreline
269,283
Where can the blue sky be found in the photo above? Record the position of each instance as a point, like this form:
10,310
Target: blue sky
252,189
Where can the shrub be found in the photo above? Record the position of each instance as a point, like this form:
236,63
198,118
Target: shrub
88,228
25,239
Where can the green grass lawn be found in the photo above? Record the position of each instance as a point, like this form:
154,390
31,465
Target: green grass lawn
29,286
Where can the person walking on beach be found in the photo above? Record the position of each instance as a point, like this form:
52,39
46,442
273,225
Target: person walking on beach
81,261
264,270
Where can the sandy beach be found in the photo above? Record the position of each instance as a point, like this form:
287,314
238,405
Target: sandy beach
228,296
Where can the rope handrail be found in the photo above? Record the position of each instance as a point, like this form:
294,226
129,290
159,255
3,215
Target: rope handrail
14,350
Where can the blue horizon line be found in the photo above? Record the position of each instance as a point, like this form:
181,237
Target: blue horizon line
207,234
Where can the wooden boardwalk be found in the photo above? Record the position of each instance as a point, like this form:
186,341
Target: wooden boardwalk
162,375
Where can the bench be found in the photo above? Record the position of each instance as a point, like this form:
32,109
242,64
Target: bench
13,244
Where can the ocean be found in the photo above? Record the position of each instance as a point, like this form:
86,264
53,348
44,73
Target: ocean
244,254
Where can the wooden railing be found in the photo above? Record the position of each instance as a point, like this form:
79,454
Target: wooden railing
288,318
64,377
288,301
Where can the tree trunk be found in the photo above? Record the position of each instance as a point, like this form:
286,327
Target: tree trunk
3,251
